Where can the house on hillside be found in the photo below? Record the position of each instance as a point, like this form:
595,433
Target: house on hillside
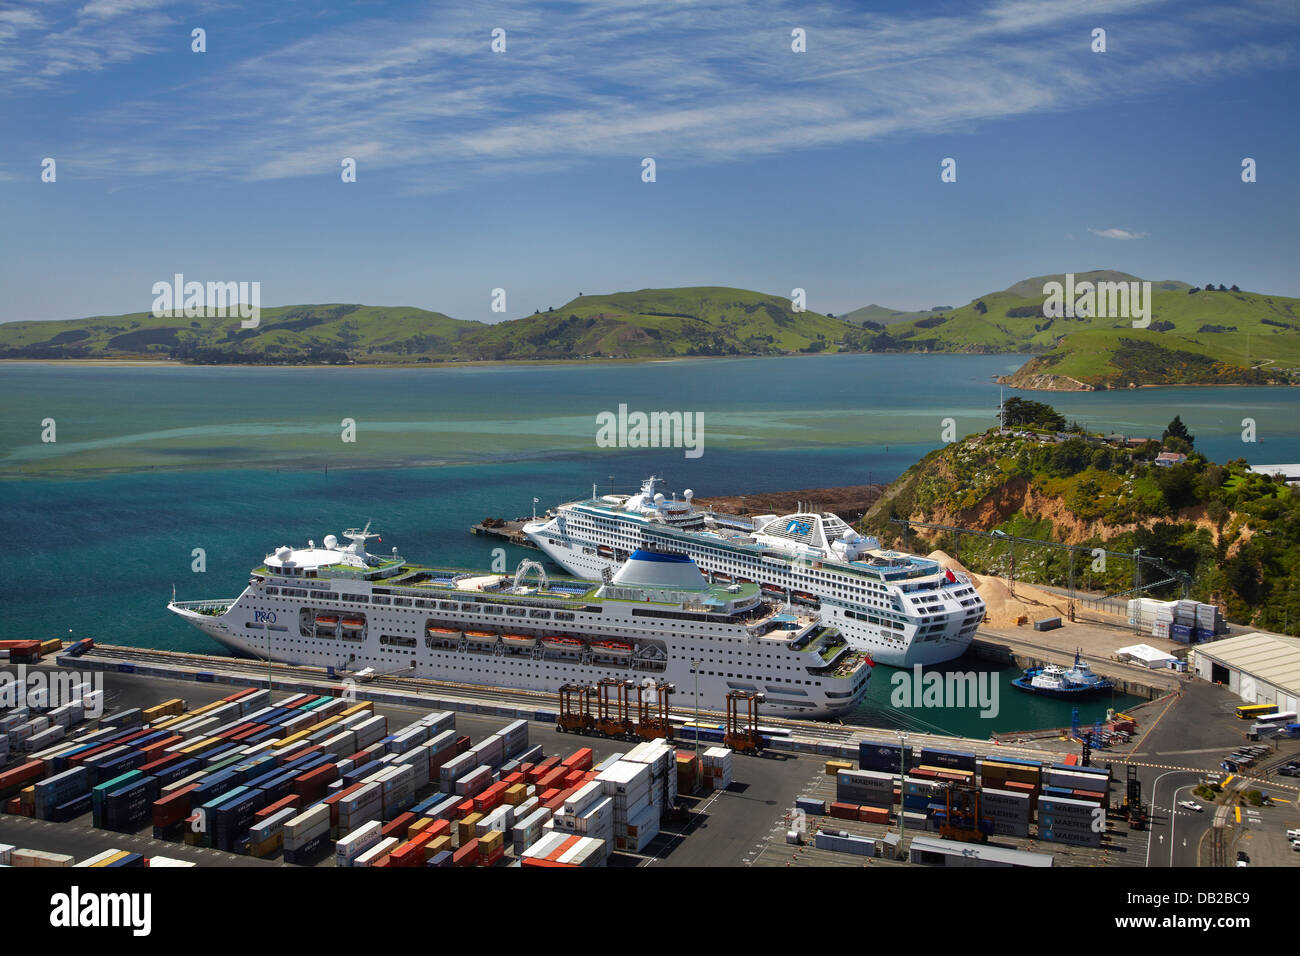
1168,458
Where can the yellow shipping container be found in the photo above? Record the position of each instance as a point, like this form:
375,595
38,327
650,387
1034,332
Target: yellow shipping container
436,846
291,739
52,645
207,743
267,846
366,706
465,829
420,824
835,766
28,797
491,841
167,708
516,795
110,859
324,723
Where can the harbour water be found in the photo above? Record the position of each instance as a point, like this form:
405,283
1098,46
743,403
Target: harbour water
156,472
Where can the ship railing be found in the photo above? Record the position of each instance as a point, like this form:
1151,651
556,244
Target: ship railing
204,606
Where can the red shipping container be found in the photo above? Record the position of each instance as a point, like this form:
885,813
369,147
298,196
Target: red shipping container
1071,759
462,744
1091,796
554,778
14,806
332,801
492,858
542,769
490,798
311,786
526,769
292,800
152,768
514,778
579,760
466,855
436,760
846,811
408,854
158,746
22,775
873,815
437,828
240,694
538,861
575,779
173,808
253,729
464,809
238,728
545,795
398,826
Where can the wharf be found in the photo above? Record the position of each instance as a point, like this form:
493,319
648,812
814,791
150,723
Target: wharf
511,531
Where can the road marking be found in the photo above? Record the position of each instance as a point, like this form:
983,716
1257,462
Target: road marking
1238,812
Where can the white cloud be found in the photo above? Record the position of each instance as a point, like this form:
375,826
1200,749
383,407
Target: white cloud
1117,234
598,80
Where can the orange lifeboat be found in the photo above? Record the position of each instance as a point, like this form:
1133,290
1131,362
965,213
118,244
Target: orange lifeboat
327,620
617,648
354,623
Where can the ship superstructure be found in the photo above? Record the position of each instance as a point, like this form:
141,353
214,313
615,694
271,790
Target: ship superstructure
900,608
656,618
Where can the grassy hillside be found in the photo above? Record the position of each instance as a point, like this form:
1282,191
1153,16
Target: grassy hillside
881,315
651,322
1108,358
1236,533
1209,336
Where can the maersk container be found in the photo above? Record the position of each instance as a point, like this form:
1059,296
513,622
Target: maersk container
375,853
357,842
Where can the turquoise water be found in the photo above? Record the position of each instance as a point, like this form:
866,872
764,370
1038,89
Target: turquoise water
151,463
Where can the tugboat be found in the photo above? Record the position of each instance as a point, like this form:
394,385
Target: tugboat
1054,680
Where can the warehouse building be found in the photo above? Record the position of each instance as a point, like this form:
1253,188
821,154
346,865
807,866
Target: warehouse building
1258,668
935,852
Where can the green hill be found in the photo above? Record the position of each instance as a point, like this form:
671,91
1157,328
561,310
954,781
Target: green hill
1230,530
1212,336
648,323
881,315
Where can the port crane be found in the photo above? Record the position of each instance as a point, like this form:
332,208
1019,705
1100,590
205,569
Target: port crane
613,709
746,739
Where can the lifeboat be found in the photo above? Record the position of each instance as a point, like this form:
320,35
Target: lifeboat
354,623
740,580
803,596
719,576
617,648
481,637
327,620
443,632
559,640
605,551
519,640
773,589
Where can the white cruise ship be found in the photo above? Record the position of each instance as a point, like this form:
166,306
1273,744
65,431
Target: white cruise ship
899,608
344,608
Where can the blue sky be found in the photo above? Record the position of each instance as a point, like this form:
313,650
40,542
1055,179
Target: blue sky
522,170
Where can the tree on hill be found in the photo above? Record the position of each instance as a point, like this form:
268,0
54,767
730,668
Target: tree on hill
980,307
1193,290
1177,429
1020,411
1235,289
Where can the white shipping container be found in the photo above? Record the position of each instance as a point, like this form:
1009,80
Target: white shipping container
154,862
92,860
377,852
357,842
5,850
583,797
306,826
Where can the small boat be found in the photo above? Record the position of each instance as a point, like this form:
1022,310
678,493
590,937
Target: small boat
617,648
354,623
481,637
605,551
772,589
803,596
719,576
559,640
444,632
519,640
327,620
1054,680
740,580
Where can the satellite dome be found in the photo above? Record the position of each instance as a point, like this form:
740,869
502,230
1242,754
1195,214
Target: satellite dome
331,542
659,497
688,494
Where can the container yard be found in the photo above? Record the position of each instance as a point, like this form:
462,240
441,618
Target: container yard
211,773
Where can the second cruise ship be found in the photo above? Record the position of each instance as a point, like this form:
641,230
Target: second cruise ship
900,608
